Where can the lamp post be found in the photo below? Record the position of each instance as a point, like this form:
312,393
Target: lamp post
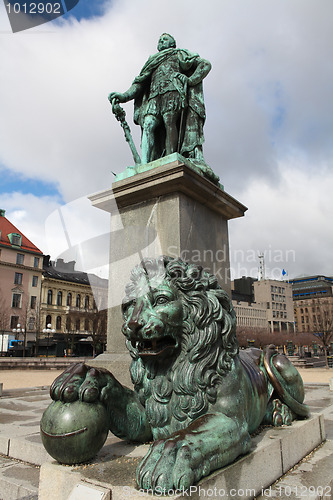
48,330
19,330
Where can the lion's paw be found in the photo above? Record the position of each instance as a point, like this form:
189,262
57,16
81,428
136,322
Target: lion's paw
171,464
80,382
282,414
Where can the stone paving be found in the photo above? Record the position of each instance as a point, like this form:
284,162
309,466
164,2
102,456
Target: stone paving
21,451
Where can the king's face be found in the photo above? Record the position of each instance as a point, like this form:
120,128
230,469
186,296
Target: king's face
164,43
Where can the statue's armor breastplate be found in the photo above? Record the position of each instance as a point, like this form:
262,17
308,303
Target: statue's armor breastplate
162,77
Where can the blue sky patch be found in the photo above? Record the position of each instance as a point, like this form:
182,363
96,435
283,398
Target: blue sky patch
85,9
11,181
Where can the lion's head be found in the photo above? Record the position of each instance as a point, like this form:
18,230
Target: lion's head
180,329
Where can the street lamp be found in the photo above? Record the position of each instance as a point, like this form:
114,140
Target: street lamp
48,330
19,330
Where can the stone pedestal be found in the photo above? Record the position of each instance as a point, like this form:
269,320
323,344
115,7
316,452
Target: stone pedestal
166,208
113,471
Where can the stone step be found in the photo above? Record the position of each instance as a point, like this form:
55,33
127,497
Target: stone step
18,480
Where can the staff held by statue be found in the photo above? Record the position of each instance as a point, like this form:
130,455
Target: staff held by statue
120,114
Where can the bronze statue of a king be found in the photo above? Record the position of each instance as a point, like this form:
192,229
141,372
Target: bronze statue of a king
169,104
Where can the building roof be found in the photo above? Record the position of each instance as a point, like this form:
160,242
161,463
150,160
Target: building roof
7,229
71,276
64,271
310,286
303,280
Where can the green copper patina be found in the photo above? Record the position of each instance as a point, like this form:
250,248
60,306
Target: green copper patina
73,432
195,394
169,105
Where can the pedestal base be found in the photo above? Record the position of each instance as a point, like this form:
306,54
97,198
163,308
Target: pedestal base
274,452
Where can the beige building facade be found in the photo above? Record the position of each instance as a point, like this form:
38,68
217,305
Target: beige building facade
313,304
250,315
21,267
276,297
70,300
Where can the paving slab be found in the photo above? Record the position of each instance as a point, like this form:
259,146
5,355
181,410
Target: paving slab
18,480
20,414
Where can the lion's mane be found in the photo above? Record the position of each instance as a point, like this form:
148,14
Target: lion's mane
180,393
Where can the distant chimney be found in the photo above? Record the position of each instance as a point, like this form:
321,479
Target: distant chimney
65,266
2,212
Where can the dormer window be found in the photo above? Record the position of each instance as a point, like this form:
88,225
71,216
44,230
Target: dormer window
15,239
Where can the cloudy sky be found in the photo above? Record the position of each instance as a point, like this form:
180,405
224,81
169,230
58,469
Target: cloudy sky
269,128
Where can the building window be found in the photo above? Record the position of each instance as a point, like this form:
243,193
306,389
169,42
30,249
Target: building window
58,323
48,320
15,239
59,299
78,300
86,302
68,324
77,325
19,258
18,278
31,323
34,280
33,301
36,262
69,299
86,324
16,300
14,321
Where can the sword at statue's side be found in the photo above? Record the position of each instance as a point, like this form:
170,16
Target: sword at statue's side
120,114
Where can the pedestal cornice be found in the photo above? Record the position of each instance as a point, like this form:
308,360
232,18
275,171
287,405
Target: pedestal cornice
165,179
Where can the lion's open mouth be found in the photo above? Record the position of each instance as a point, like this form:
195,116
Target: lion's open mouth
153,347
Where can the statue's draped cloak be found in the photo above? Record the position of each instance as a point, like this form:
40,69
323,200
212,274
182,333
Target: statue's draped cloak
193,105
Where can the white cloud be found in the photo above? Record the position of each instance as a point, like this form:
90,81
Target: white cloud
268,100
289,222
28,212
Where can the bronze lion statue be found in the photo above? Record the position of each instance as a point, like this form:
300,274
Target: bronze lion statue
195,395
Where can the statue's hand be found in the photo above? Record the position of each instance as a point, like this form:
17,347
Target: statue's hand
118,96
182,78
81,382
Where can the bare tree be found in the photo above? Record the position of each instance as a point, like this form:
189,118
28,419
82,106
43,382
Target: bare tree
322,323
99,328
260,337
4,318
24,322
96,320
